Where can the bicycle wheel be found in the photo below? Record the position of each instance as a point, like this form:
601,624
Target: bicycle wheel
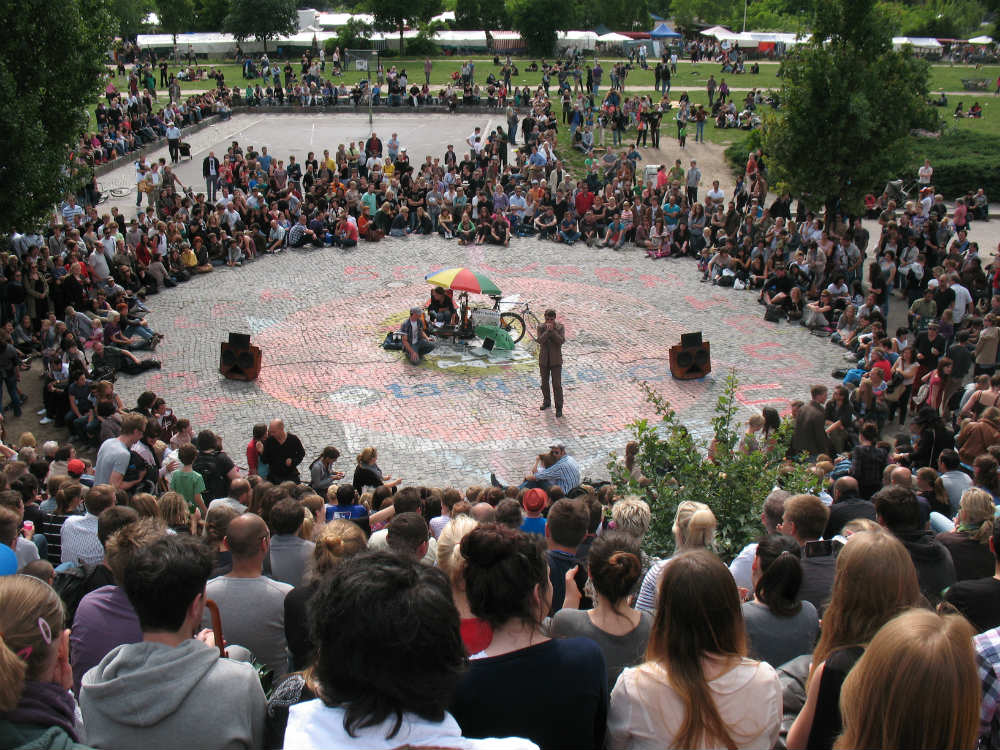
513,324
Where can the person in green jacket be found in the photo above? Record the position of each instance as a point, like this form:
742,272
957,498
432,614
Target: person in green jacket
37,711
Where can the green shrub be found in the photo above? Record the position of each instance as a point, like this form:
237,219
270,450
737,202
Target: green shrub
422,46
734,485
960,160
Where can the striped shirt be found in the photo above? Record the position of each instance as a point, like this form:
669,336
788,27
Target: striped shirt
565,472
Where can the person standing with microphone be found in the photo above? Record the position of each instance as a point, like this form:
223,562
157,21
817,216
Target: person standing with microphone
551,336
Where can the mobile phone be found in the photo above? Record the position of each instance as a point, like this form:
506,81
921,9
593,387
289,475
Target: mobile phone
822,548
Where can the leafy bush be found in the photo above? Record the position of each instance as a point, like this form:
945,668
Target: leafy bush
733,484
958,160
422,46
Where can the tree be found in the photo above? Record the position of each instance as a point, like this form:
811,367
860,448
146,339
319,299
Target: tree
689,12
262,20
733,484
848,103
396,15
176,16
480,14
131,16
538,22
210,15
51,70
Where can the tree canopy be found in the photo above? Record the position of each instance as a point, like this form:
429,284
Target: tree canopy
51,70
848,103
396,15
176,16
262,20
538,21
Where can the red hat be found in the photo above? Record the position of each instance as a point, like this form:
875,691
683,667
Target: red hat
76,467
534,500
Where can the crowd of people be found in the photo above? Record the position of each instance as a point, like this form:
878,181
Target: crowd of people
161,596
199,606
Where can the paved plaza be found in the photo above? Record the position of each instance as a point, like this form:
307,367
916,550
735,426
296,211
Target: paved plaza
319,316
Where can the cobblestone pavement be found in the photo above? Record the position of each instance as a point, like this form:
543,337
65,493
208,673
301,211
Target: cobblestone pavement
319,316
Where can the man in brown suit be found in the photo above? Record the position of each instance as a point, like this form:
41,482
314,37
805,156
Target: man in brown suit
551,336
810,426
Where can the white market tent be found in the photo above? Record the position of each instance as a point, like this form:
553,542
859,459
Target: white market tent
214,44
718,32
981,40
579,39
614,37
337,20
921,43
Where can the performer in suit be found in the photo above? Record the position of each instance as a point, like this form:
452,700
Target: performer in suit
210,171
551,336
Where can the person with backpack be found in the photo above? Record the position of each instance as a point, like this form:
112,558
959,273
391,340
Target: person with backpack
215,467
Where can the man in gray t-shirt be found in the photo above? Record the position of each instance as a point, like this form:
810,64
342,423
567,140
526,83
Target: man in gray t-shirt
113,456
251,606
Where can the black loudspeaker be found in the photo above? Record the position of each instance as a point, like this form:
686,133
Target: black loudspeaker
488,344
238,359
692,358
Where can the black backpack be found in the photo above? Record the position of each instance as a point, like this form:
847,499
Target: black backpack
216,483
76,582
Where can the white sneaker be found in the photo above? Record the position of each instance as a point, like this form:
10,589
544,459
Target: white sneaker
41,412
46,420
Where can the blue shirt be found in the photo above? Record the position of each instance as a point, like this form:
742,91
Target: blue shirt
533,525
345,512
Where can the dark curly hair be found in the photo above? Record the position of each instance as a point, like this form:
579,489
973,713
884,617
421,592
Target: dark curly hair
387,641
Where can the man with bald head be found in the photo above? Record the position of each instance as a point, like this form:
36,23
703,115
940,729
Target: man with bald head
252,607
903,477
484,513
847,505
283,452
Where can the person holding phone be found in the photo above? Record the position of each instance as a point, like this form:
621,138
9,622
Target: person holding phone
551,336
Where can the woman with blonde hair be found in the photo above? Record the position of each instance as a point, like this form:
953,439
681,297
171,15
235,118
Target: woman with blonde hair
874,581
969,543
175,513
36,706
476,632
337,540
915,687
696,688
694,528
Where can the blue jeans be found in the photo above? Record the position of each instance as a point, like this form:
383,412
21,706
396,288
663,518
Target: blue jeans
569,237
11,382
699,131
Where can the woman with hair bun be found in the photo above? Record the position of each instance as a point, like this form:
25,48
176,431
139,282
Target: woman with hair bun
622,632
553,692
780,626
337,541
694,528
36,708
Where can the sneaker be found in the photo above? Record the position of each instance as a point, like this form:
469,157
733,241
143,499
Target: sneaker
46,420
41,412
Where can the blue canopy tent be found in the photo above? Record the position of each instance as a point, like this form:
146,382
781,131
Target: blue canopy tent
662,31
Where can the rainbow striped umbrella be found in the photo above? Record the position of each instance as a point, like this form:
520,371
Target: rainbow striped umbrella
462,280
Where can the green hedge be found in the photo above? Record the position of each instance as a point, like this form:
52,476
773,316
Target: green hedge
962,161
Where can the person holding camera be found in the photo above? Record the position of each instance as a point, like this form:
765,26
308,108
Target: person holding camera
551,336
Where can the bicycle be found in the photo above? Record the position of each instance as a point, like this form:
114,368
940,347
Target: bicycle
117,192
509,314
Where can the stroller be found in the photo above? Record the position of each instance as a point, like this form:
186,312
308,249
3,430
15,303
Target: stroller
185,149
896,191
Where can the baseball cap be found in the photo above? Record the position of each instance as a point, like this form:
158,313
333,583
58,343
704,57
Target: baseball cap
534,500
76,467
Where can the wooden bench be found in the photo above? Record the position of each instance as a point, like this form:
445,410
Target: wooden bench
975,84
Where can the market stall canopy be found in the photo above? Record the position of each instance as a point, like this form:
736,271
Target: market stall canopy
662,31
716,31
917,42
612,36
981,40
